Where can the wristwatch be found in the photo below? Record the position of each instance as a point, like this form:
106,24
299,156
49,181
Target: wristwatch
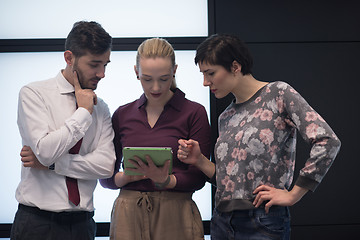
164,184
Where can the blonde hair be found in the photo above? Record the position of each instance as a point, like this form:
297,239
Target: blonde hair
156,47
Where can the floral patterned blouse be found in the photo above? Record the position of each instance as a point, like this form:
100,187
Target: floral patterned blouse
257,143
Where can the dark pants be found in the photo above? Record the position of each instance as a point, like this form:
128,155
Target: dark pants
31,223
252,224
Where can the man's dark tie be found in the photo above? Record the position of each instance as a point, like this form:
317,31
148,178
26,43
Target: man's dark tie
71,183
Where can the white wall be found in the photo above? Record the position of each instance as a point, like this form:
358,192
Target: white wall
23,19
19,69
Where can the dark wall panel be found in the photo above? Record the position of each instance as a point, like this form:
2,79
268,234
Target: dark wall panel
288,21
314,46
325,75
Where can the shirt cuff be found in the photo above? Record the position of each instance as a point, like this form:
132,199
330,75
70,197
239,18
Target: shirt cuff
307,183
83,118
63,164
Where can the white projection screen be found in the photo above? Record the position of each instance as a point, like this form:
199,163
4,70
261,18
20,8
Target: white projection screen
40,19
21,19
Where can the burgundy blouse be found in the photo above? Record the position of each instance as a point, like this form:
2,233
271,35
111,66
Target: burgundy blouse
181,118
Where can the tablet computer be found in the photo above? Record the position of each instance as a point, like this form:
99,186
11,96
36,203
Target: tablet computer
158,154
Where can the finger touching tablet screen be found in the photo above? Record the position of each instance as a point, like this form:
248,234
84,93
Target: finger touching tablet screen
158,154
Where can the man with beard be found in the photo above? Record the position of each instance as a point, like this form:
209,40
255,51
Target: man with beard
67,136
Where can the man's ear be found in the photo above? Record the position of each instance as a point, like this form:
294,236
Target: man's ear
69,57
236,67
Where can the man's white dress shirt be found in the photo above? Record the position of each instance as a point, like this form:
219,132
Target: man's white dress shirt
50,124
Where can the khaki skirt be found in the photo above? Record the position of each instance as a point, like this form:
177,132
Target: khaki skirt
155,216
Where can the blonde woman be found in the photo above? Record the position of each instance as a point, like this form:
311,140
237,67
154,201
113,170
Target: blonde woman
157,205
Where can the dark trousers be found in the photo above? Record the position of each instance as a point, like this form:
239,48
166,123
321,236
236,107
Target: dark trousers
252,224
31,223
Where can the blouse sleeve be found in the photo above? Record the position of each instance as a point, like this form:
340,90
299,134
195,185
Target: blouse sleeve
192,179
314,130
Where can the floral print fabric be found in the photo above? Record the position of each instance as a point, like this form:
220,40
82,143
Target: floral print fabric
257,141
